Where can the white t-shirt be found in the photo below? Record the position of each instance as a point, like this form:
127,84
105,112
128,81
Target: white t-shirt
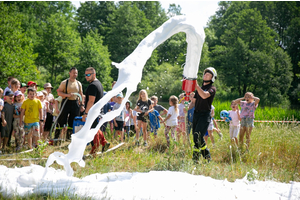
234,118
172,121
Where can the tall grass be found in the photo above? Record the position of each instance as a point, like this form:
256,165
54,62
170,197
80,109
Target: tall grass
261,113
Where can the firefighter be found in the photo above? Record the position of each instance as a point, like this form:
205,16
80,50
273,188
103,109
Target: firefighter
204,97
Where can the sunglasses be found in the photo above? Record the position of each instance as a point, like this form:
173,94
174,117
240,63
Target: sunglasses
88,75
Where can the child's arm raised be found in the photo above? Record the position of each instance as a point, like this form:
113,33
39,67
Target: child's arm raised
256,100
238,101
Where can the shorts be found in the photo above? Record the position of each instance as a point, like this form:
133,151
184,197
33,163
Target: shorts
210,126
120,126
5,130
180,127
234,131
206,134
247,122
35,127
142,118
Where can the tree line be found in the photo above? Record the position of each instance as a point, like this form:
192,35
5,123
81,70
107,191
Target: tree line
253,45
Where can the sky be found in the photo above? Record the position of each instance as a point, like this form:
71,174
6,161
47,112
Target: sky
202,10
149,185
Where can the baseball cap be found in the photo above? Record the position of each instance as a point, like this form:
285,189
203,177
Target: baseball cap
8,93
31,83
24,85
120,95
18,92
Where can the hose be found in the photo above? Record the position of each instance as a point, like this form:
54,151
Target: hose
62,107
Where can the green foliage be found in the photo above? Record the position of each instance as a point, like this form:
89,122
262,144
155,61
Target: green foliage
92,15
92,53
248,60
57,45
16,48
129,27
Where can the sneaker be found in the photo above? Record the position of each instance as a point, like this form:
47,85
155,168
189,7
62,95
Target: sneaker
105,147
145,144
221,135
137,143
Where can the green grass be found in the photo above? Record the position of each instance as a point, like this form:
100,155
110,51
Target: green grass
273,153
261,113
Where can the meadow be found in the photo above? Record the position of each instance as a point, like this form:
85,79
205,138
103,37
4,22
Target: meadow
273,153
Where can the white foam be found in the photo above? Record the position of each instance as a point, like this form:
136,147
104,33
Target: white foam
130,74
150,185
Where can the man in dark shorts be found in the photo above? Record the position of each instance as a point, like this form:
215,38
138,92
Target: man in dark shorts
67,90
93,94
204,97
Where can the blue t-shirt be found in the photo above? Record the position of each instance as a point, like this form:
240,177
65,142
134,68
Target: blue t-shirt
106,108
154,120
191,114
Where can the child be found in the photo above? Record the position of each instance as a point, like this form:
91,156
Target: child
18,129
157,107
119,120
171,119
32,110
211,128
143,106
234,126
190,115
128,114
1,107
7,118
154,118
248,108
45,107
180,129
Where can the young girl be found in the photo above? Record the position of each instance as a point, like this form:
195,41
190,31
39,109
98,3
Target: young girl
180,129
171,119
247,116
19,131
234,126
143,106
128,117
45,108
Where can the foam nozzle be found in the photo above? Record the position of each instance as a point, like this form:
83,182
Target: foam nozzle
188,85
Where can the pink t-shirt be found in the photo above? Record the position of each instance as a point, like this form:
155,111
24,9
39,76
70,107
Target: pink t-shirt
248,109
234,118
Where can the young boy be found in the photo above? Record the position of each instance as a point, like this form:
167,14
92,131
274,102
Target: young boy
32,109
248,108
7,117
157,107
154,118
119,120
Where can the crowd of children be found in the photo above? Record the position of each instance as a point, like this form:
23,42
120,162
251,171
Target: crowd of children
25,117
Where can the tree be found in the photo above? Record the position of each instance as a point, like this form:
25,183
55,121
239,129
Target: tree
57,45
92,53
93,15
155,14
129,27
249,59
16,49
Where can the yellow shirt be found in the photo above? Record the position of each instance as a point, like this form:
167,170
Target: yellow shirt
31,108
73,87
